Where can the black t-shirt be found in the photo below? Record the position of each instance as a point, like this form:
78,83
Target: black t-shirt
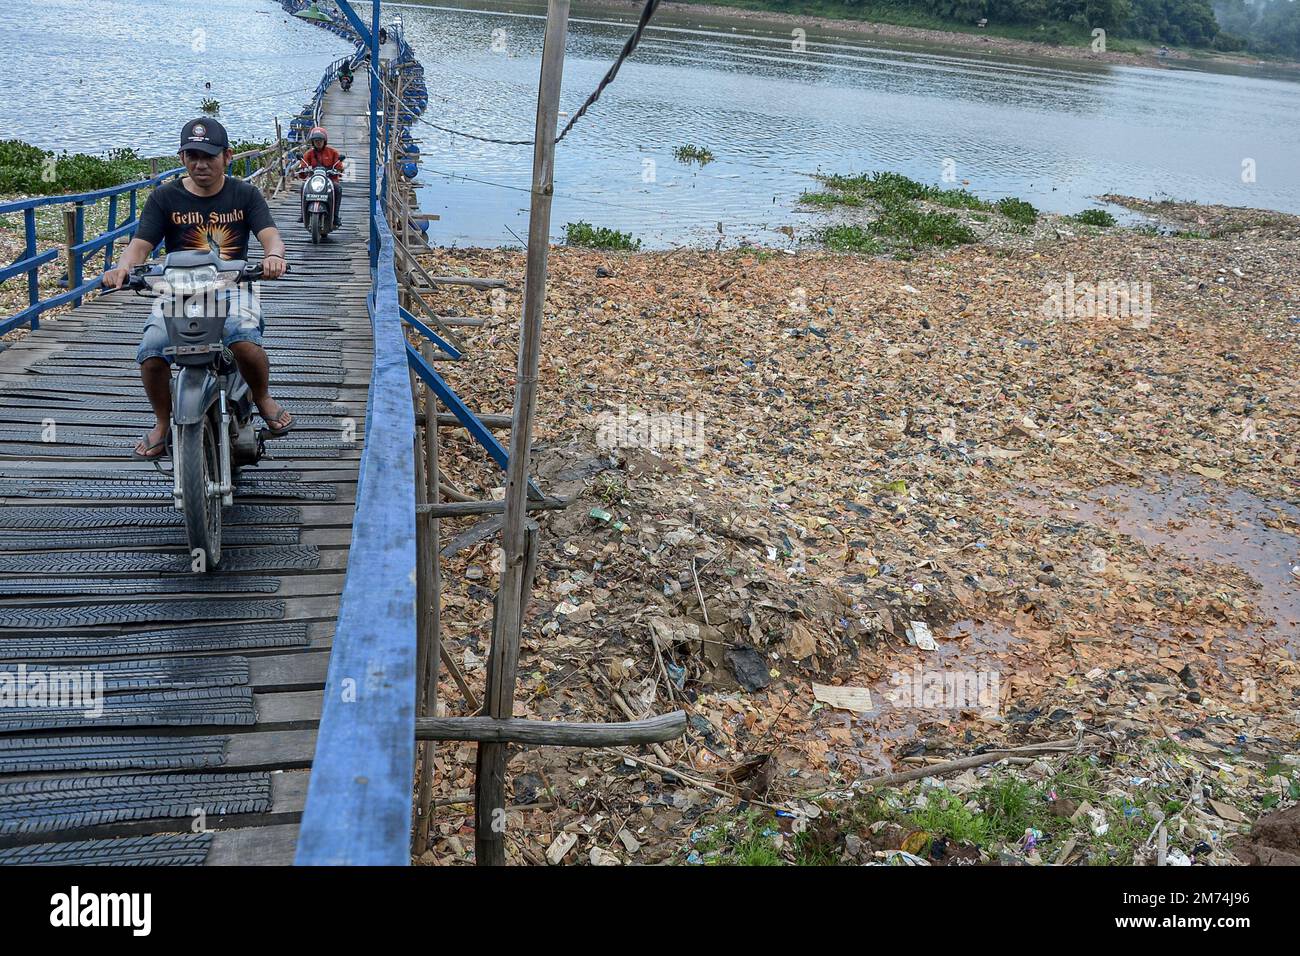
219,223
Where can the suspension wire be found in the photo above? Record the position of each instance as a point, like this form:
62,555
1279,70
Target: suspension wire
629,47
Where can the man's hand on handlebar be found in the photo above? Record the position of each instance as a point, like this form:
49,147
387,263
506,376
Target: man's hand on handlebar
116,278
273,267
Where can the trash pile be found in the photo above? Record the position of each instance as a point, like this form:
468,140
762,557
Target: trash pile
861,517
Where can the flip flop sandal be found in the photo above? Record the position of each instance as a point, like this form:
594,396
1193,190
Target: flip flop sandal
145,456
282,430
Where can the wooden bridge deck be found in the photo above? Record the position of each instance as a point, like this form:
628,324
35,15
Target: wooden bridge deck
212,682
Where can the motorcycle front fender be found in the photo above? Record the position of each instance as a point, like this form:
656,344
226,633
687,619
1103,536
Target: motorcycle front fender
194,392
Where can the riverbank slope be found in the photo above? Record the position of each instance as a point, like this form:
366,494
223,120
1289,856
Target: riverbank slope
860,516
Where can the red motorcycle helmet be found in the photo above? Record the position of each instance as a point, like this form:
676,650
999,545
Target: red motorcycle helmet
318,132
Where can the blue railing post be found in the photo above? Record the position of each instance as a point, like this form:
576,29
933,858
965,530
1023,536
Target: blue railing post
374,131
112,224
33,274
79,236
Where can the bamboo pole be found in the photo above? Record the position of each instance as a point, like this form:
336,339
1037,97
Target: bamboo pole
431,613
518,544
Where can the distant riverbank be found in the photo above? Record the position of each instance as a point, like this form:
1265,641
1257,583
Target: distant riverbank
1123,51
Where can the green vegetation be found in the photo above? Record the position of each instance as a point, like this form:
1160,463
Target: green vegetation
210,106
1005,812
583,233
849,239
1263,26
1191,23
27,170
693,154
914,228
31,171
1017,210
827,200
1094,217
903,224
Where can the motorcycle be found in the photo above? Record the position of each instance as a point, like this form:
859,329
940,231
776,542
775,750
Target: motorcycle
318,212
345,81
213,434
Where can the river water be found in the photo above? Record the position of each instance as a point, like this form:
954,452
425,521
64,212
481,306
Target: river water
91,75
1054,133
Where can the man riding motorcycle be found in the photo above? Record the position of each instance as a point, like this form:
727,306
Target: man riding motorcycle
322,155
210,211
345,73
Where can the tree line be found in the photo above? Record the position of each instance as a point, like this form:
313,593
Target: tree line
1261,26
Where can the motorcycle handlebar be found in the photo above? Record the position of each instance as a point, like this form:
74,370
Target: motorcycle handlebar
136,278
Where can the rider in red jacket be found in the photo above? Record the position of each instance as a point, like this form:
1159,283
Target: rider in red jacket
323,155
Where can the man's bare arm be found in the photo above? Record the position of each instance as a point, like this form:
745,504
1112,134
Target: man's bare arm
273,261
136,252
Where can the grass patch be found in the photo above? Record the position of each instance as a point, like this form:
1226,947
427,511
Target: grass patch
584,234
849,239
693,154
993,817
901,220
827,200
882,187
1017,210
947,815
958,199
29,170
1094,217
914,228
210,106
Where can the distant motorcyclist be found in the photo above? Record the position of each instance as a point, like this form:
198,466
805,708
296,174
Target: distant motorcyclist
323,156
345,74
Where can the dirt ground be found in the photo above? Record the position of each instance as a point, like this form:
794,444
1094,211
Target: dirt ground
858,516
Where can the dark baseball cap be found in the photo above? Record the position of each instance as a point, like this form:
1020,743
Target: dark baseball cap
205,136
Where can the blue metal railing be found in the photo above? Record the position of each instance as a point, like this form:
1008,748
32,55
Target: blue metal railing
358,809
82,249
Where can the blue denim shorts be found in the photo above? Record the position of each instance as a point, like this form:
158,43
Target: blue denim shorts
244,323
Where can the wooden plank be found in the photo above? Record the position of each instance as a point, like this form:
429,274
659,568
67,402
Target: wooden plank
255,846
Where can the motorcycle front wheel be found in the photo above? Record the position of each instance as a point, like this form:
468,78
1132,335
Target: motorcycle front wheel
198,459
317,227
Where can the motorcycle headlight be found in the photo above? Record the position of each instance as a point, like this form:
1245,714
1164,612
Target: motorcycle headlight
317,183
190,281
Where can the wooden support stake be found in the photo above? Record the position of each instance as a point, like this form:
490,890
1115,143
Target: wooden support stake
424,548
448,419
424,307
69,240
551,733
519,546
462,509
430,612
459,677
